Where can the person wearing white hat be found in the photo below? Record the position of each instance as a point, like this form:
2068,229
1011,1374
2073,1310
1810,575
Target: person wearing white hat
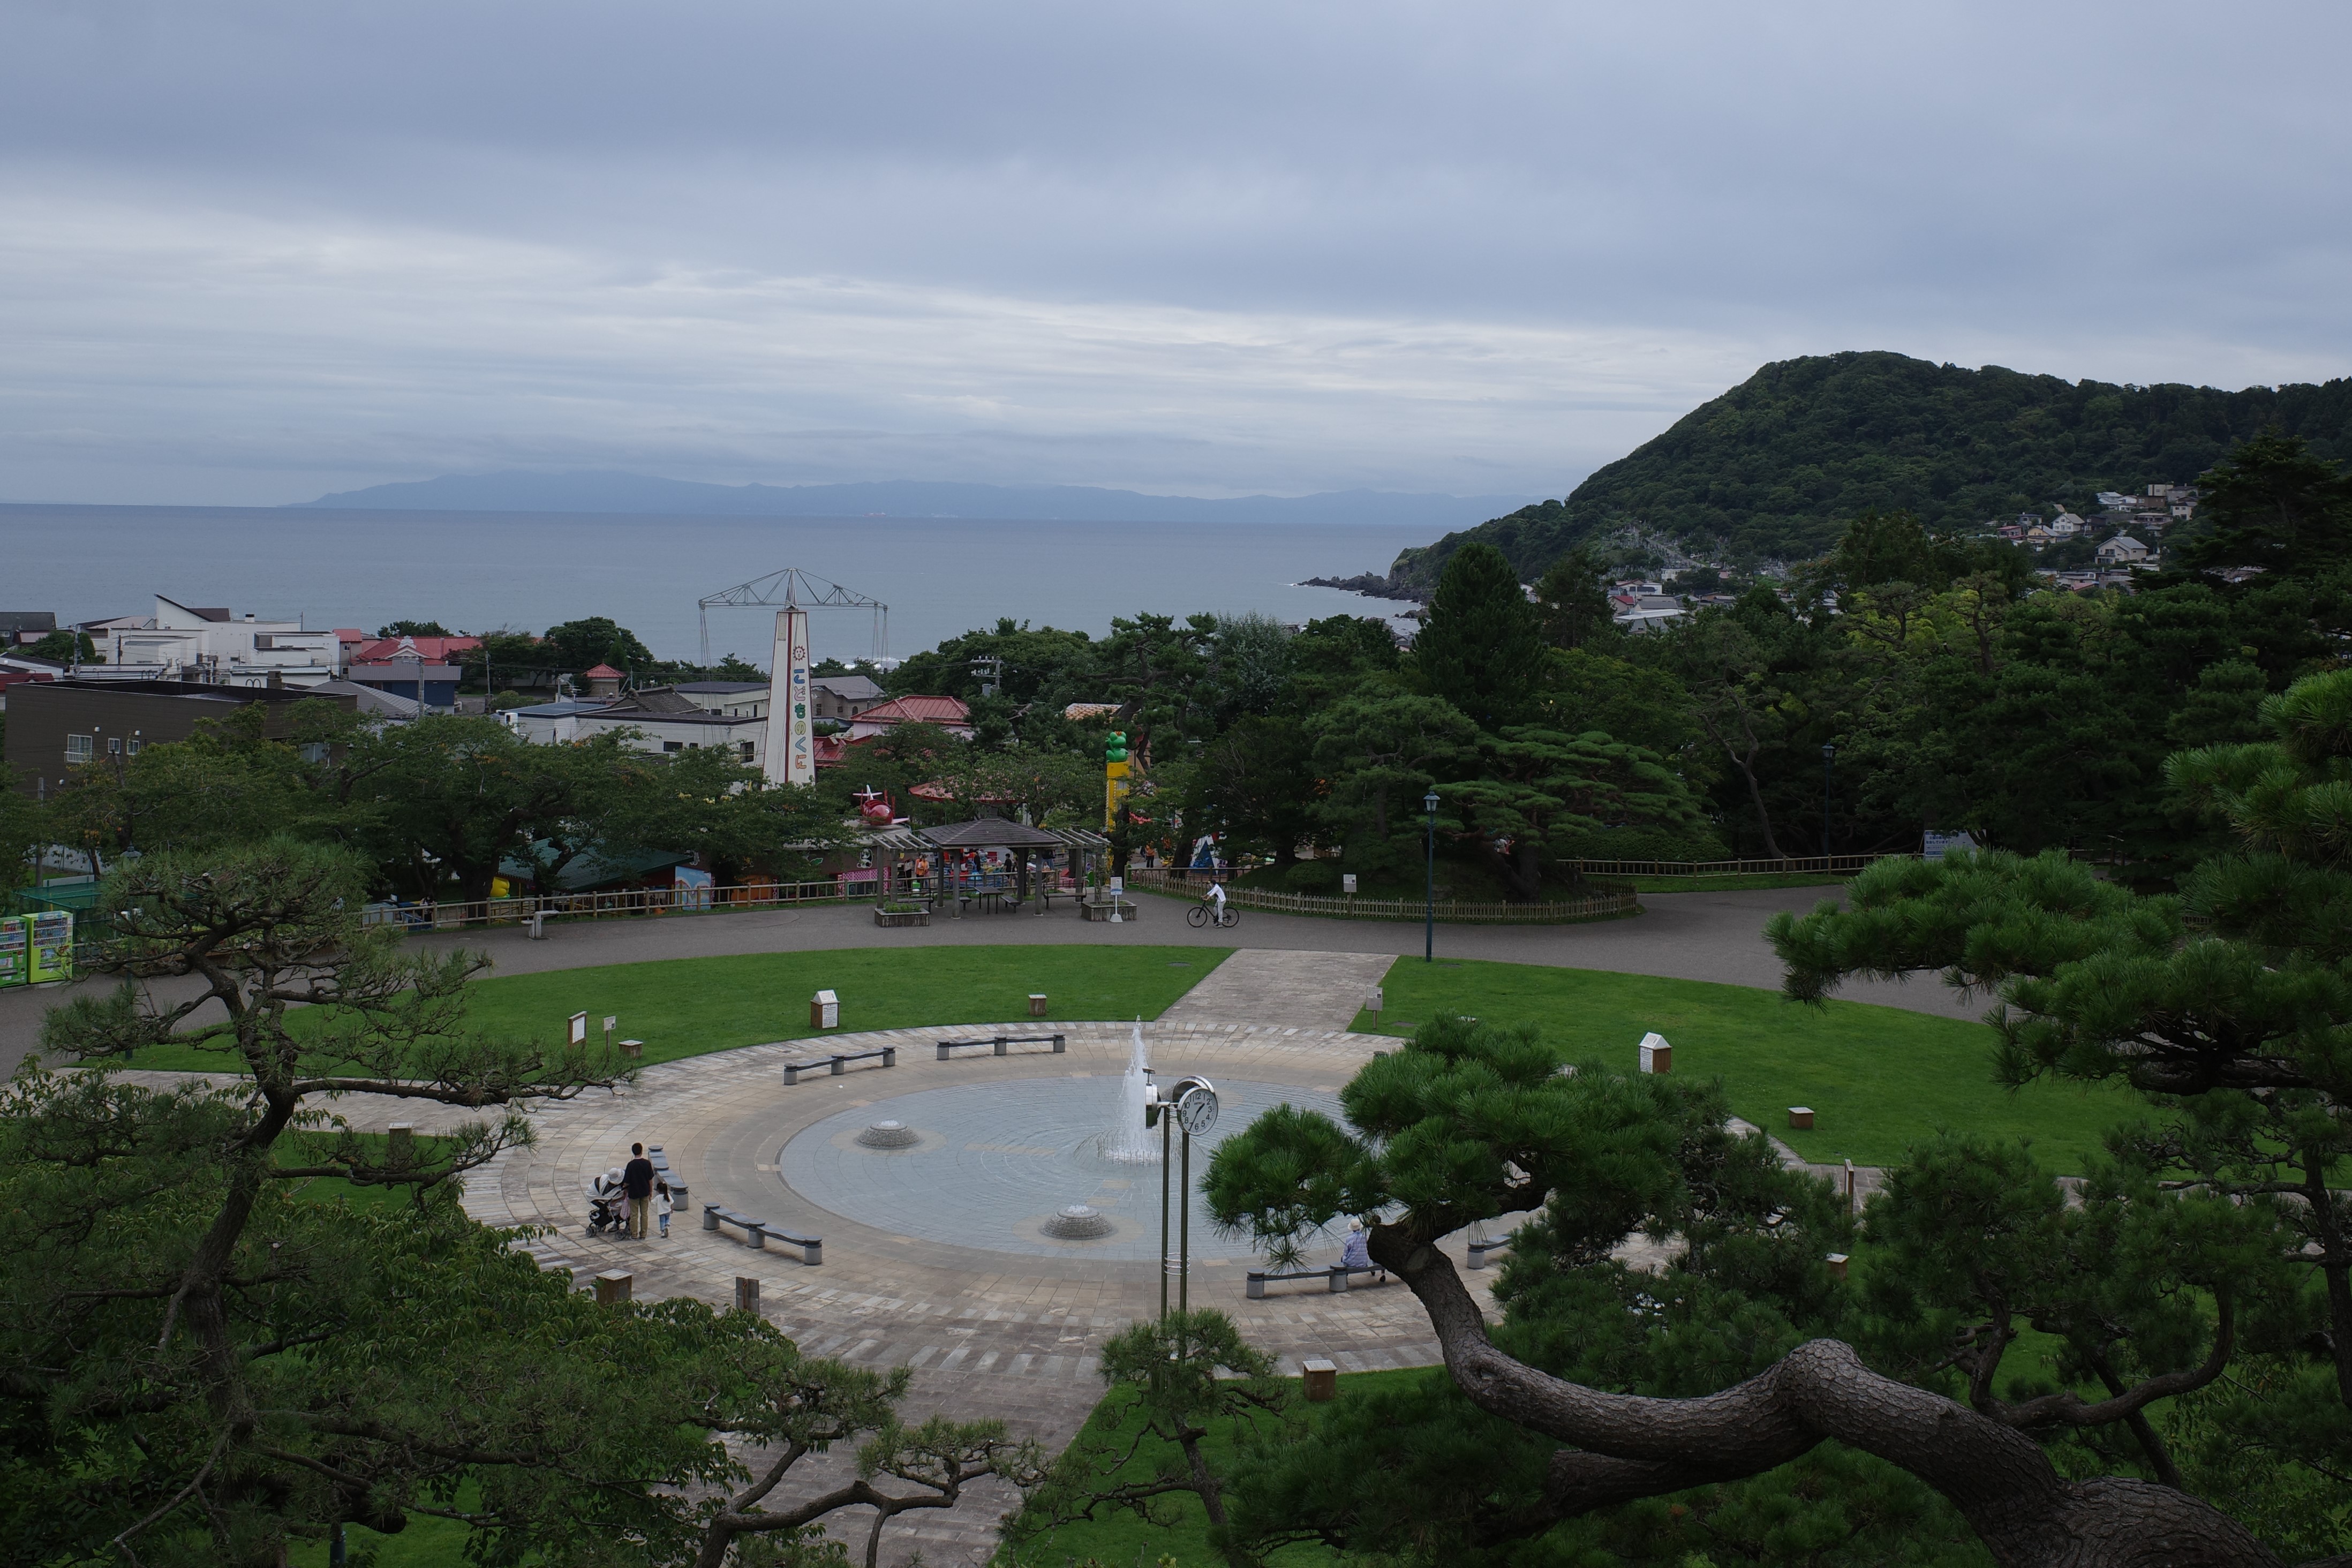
1356,1253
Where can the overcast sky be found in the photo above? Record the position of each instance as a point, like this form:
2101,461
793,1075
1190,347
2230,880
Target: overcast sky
253,251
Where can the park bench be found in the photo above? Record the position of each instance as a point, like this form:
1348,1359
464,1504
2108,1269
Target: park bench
756,1232
663,1176
1335,1278
836,1065
1103,909
949,1047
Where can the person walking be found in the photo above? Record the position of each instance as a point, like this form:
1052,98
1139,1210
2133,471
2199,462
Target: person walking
662,1206
637,1191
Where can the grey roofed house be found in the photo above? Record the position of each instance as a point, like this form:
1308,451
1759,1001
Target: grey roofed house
654,700
25,625
719,687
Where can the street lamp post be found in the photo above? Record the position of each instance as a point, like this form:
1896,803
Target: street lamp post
1827,752
1429,927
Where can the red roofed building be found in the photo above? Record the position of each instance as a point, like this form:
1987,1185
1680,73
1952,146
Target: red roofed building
403,650
947,712
603,681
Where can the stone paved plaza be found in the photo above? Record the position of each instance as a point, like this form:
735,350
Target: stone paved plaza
993,1324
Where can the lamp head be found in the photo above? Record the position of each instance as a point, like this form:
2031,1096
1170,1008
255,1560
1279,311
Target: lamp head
1428,803
1828,751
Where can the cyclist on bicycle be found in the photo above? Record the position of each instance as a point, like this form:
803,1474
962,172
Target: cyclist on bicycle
1215,898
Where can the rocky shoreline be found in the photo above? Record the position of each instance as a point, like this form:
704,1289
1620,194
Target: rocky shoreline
1371,584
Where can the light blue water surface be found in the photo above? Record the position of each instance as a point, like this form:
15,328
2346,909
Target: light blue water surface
528,571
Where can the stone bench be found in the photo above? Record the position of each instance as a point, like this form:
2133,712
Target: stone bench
1335,1278
949,1047
663,1176
1125,909
835,1065
756,1232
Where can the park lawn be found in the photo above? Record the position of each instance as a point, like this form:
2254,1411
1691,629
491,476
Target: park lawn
1122,1540
688,1006
1876,1077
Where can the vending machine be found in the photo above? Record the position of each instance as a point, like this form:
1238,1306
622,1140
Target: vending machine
52,945
16,937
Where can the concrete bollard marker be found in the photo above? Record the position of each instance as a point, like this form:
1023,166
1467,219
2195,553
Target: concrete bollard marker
612,1287
1801,1118
1036,1004
747,1294
1657,1055
1319,1380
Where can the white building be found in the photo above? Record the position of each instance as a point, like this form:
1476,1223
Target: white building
2123,550
181,642
2065,525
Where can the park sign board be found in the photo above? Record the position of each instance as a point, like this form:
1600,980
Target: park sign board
792,755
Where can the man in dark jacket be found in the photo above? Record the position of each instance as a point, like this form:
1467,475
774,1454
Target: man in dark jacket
637,1190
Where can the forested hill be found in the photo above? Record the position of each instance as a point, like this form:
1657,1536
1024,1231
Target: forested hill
1776,466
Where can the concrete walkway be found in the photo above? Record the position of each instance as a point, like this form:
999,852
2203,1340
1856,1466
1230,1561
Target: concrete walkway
1688,936
1269,985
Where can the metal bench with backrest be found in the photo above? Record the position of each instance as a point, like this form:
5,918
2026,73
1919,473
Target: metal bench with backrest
756,1232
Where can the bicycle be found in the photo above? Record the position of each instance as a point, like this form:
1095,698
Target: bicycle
1203,915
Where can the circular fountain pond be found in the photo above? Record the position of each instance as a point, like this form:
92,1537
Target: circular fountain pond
999,1166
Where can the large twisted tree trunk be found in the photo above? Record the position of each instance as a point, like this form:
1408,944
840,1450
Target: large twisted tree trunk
1628,1447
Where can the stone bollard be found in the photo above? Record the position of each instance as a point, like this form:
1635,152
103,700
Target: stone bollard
400,1144
633,1049
747,1294
612,1287
1319,1380
1837,1264
1036,1004
1801,1118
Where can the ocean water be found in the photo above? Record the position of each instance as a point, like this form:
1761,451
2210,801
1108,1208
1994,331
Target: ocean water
528,571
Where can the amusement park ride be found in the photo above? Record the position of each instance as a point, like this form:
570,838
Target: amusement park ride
790,751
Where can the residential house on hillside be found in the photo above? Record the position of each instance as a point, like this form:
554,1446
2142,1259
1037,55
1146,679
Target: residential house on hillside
663,718
736,699
842,697
2065,525
1644,612
18,627
950,713
418,669
2123,550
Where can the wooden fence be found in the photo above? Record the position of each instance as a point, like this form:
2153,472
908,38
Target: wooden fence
1790,865
1602,905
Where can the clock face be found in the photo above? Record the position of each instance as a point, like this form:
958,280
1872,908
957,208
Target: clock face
1196,1111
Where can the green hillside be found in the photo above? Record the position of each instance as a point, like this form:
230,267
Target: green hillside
1776,466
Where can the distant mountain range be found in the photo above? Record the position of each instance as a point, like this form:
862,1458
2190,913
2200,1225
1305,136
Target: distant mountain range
1776,467
599,491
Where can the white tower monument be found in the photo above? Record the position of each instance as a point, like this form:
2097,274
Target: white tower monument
792,755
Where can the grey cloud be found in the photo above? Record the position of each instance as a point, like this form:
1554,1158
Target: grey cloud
1221,247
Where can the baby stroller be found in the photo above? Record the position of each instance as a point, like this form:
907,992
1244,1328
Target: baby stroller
604,1202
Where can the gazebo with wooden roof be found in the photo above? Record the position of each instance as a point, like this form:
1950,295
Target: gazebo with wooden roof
1026,843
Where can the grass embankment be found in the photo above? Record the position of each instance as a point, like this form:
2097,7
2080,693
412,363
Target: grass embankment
689,1006
1876,1077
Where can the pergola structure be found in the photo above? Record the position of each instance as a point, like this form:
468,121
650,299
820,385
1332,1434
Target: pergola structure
1030,851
